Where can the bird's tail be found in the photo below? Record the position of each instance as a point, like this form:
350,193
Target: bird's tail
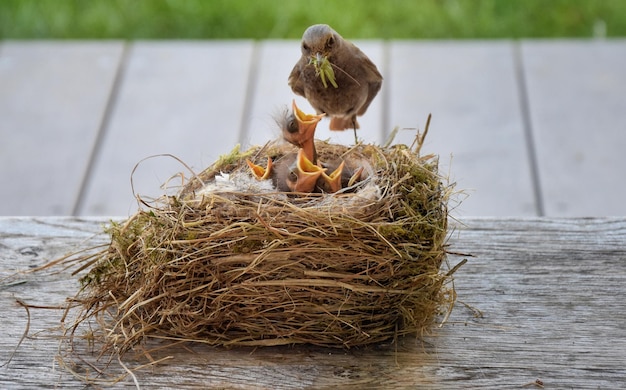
343,123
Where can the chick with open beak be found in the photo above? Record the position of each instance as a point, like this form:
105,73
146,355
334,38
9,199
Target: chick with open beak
261,173
332,183
303,174
298,129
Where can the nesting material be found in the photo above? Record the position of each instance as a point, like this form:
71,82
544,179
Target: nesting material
230,261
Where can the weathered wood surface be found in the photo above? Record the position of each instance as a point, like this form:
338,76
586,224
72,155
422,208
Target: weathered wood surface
53,97
526,128
173,95
475,99
578,121
546,298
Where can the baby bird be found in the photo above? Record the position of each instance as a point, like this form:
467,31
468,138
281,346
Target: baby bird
298,128
301,172
296,173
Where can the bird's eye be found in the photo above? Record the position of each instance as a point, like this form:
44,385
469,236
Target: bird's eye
305,47
330,42
292,126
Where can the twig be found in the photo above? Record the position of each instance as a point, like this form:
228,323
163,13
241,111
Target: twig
26,330
391,137
419,140
119,360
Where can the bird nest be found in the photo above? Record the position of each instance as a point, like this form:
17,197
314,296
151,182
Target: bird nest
231,261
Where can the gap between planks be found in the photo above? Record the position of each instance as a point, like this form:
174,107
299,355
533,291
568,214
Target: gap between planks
102,130
522,88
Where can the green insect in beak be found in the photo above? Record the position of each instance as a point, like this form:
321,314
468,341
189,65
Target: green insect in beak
324,69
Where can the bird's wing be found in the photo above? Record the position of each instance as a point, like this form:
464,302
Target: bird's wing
374,82
295,81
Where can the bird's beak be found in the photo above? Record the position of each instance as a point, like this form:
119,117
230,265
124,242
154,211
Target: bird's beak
258,171
307,174
356,177
307,123
319,57
334,179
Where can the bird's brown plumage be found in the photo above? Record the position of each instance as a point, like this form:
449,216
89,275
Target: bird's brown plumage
357,78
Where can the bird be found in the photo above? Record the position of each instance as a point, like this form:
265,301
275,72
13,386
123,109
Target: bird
298,129
341,177
301,175
301,172
354,78
332,183
261,173
293,172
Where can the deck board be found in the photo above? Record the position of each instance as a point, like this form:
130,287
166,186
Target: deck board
548,290
179,98
470,89
576,98
270,92
521,131
52,100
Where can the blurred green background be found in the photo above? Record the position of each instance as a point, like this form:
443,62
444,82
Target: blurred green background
264,19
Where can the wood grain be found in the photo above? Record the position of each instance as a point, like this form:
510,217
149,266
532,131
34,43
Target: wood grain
544,301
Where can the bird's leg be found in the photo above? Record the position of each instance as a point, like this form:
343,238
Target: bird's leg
356,139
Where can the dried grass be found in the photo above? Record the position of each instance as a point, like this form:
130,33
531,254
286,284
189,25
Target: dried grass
256,268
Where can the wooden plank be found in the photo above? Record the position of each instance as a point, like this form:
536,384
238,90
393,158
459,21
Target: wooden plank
179,98
576,101
271,92
52,99
470,88
548,291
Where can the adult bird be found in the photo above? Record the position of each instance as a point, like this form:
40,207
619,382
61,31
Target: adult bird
335,76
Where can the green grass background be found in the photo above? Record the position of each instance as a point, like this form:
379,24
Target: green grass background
276,19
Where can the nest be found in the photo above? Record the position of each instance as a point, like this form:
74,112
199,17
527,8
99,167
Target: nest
229,261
